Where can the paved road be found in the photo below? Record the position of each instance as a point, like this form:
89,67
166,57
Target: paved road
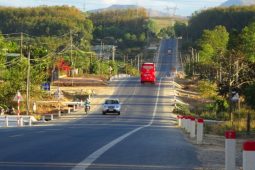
143,137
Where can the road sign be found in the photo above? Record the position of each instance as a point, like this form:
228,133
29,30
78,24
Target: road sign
18,97
235,98
46,86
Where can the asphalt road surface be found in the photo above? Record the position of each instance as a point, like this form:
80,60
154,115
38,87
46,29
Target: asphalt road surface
143,137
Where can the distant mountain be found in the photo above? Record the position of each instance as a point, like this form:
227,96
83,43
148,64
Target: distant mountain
151,12
238,3
116,6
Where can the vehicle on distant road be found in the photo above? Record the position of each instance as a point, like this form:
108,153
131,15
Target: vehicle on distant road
148,73
111,106
87,106
169,51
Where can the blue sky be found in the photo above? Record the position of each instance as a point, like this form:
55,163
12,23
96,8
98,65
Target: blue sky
184,7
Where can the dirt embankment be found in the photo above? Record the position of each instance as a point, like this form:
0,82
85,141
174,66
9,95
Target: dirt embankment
73,89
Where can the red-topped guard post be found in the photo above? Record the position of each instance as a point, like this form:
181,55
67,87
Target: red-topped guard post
200,130
249,155
230,150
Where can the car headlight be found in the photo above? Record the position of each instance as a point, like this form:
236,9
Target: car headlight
117,107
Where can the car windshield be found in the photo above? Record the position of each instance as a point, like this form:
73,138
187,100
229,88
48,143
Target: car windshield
111,102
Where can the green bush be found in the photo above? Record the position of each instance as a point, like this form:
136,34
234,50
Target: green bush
207,89
182,109
249,95
209,115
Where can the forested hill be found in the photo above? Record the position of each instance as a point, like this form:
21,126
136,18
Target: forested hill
238,2
233,18
43,21
125,27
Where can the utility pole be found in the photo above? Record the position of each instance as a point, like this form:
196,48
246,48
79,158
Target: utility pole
138,62
113,53
28,80
181,61
84,6
90,61
192,60
101,49
21,43
126,64
71,57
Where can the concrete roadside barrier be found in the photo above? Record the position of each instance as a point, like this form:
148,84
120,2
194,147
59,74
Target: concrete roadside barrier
185,122
249,155
192,127
179,120
188,123
200,130
230,150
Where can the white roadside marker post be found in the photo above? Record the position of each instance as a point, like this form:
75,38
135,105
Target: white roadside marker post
188,124
6,121
181,121
185,122
179,118
59,113
249,155
30,121
230,150
200,130
43,118
193,127
21,121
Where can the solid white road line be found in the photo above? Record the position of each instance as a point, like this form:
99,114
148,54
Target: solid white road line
83,165
13,136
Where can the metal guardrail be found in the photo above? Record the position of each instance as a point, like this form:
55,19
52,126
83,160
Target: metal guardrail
119,76
16,121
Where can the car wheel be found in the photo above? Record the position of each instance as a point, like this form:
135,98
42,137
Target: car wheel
118,113
103,113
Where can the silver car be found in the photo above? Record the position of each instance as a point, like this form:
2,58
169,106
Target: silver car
111,106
